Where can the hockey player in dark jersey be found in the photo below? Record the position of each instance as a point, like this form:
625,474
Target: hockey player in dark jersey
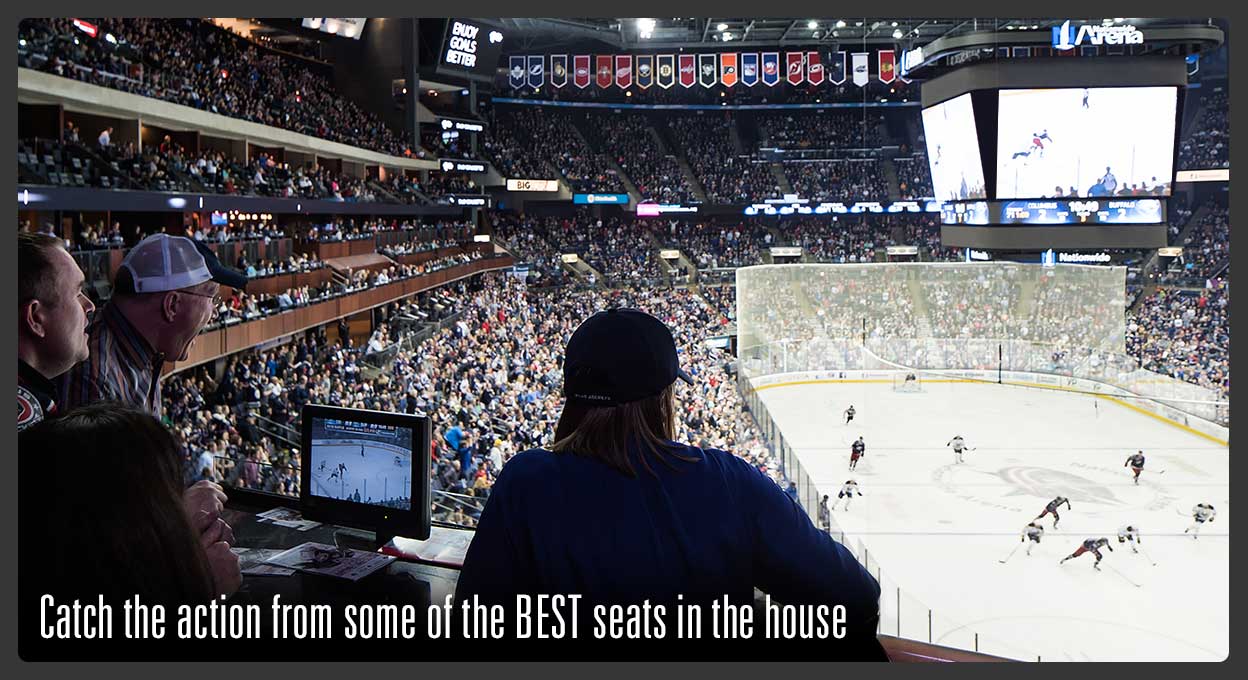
1052,508
1136,462
857,450
1092,545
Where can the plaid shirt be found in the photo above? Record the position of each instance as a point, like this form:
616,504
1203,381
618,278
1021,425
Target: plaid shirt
121,367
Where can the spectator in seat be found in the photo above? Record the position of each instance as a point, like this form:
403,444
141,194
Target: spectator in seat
113,524
51,323
106,138
617,511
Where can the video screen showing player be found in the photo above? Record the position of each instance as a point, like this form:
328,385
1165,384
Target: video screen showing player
1085,142
362,462
953,150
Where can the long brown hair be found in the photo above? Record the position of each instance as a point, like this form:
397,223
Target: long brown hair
101,496
608,433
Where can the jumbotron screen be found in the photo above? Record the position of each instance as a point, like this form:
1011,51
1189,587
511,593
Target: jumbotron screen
470,49
1098,142
953,150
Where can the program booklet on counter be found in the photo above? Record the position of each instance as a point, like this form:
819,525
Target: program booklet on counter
328,560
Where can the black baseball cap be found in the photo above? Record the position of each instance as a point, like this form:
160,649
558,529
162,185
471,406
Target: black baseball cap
620,356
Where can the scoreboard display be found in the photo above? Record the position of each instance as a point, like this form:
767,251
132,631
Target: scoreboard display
1057,212
470,49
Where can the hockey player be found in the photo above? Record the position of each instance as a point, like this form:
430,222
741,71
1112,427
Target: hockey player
361,450
1130,532
1202,512
1136,461
849,414
1052,507
847,492
1092,545
1032,533
959,446
857,450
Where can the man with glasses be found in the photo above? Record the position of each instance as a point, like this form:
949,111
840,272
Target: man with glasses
164,294
51,323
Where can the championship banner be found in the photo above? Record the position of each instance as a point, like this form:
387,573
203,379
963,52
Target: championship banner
624,71
645,70
836,69
580,70
749,69
814,69
558,70
861,76
515,73
728,68
1022,51
794,60
667,70
771,68
888,66
537,73
706,70
688,70
1003,53
604,71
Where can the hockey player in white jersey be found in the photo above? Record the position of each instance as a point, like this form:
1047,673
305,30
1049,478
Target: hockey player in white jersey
849,414
959,447
1032,533
848,489
1202,512
1130,533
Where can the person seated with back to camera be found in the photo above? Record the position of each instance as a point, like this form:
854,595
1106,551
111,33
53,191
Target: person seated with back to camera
618,512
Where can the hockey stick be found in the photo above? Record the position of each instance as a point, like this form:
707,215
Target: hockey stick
1124,576
1147,556
1007,557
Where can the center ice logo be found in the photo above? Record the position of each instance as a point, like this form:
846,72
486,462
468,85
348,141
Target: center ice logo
1046,483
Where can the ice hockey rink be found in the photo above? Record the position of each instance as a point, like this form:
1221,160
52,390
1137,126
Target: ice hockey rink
936,531
375,475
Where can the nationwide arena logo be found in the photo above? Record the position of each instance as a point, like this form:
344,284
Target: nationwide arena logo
1066,37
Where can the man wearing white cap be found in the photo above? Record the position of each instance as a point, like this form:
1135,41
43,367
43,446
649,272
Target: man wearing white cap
163,296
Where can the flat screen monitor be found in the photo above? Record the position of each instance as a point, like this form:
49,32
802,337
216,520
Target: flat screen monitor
953,150
367,469
1085,142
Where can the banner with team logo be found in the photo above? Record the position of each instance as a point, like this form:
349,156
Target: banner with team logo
558,70
515,73
666,77
888,66
793,62
537,72
771,68
814,68
580,70
749,69
836,69
688,70
707,75
645,70
624,71
728,68
604,71
859,62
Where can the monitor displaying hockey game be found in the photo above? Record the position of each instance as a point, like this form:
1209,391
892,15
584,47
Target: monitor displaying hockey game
361,462
1085,142
953,150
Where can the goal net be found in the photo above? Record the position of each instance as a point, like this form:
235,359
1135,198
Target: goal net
907,382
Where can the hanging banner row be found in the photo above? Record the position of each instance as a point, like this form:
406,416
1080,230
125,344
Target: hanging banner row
708,70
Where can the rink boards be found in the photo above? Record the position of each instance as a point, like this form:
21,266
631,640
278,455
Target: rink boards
935,531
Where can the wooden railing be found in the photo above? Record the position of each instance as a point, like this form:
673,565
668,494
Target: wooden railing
241,336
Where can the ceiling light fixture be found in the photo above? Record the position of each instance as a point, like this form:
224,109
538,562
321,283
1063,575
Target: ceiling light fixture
812,24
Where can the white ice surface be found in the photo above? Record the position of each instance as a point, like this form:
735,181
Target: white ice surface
937,530
374,474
